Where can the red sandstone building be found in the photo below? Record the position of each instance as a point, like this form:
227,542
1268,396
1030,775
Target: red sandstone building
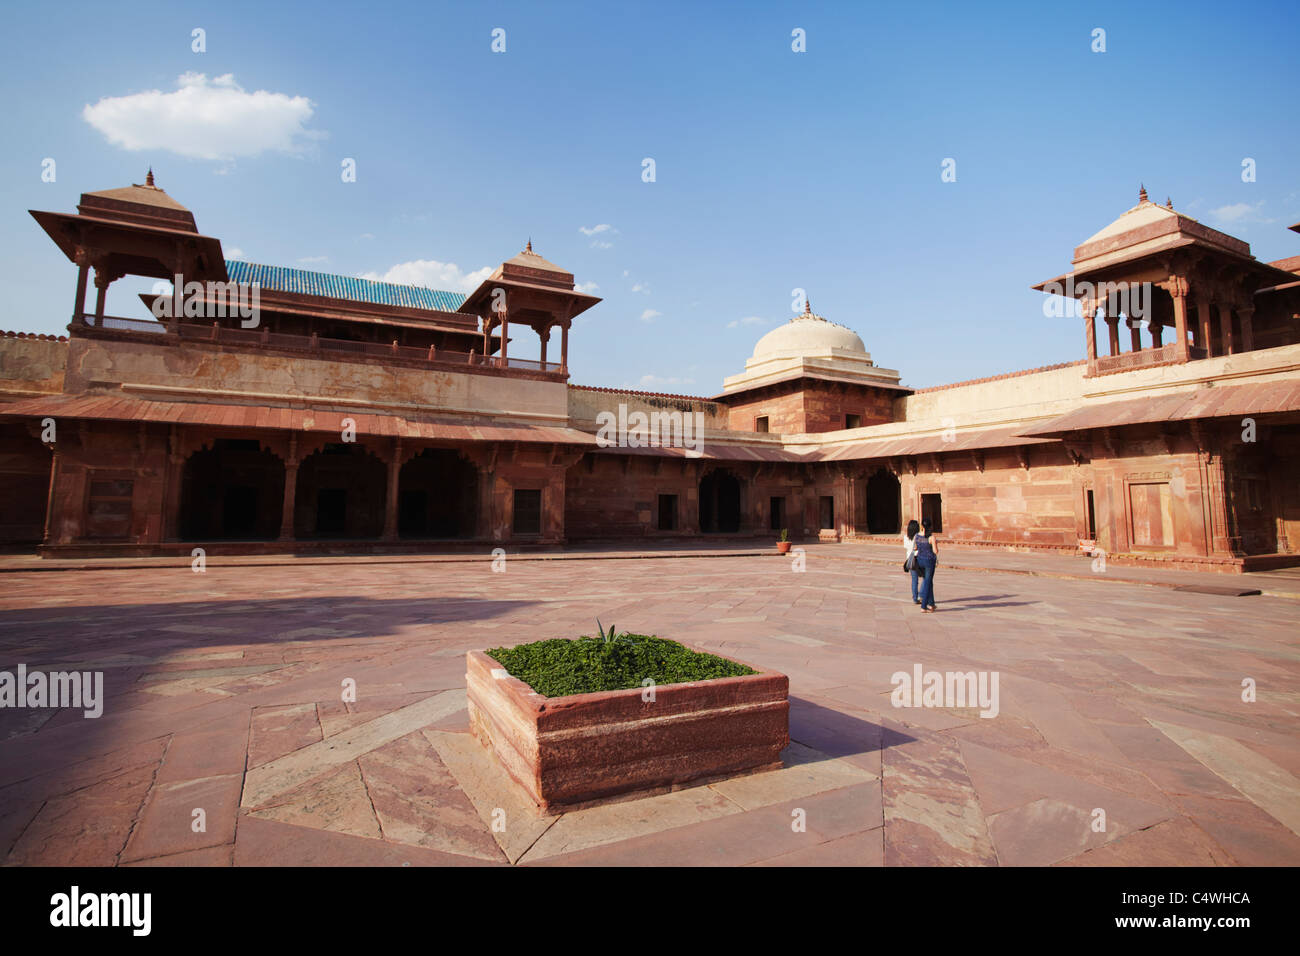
364,415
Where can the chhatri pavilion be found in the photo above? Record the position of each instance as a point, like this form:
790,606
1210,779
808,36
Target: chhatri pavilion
352,415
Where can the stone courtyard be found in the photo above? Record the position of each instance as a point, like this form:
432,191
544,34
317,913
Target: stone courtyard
224,693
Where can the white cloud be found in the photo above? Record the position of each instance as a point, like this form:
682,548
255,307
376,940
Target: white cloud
649,315
747,320
596,230
234,252
1240,212
587,287
311,260
432,275
642,288
205,119
602,245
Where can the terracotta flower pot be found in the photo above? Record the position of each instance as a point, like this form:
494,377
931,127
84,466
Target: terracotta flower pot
782,547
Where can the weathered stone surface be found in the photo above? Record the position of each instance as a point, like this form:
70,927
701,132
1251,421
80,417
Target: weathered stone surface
1119,653
417,800
262,784
336,800
168,824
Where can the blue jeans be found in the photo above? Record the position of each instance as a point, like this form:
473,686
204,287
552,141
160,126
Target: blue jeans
915,599
927,586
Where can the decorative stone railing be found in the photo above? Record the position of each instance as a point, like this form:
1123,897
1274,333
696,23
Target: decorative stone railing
313,343
1127,361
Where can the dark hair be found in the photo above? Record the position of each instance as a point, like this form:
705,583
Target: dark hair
912,529
925,523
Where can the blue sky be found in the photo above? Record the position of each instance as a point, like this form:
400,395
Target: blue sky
775,170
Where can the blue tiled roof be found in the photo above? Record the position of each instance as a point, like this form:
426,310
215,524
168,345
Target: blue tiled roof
302,282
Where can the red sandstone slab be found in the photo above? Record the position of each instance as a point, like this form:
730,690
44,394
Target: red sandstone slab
170,823
568,751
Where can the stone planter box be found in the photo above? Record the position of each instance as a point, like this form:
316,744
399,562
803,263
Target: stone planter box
571,751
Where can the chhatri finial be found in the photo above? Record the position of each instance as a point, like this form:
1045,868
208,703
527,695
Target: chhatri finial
807,306
1142,193
1169,203
529,247
148,180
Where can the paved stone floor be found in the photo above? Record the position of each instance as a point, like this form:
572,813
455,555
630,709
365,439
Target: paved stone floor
223,695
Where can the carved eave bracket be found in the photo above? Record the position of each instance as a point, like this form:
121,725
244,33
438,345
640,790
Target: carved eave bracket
1080,452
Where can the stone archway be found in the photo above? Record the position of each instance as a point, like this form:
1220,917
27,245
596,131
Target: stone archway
340,493
884,503
720,502
233,491
437,496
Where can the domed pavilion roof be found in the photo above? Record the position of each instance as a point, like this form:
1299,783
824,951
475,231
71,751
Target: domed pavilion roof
808,334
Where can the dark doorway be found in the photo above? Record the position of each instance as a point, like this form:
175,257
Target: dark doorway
1092,517
25,479
231,491
667,512
932,508
776,509
437,496
412,512
720,502
884,503
528,511
240,510
341,491
331,511
827,509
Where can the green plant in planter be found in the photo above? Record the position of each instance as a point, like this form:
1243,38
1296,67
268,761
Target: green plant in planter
785,534
609,637
610,661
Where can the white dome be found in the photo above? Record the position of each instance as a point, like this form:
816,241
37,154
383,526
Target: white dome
808,334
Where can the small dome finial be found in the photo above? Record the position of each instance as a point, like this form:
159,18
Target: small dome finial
148,179
807,306
1169,203
1142,193
529,247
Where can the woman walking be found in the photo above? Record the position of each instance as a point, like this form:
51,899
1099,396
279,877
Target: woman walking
927,556
909,555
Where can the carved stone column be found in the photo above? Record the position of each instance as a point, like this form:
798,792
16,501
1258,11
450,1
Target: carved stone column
291,463
1225,329
102,281
390,500
1223,520
1203,325
1178,288
175,482
1112,333
1247,315
83,268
